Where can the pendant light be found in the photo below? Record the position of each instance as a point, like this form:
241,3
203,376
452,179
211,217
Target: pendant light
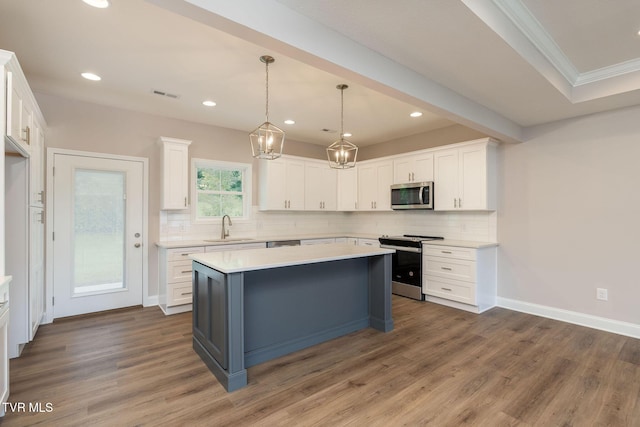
267,140
342,153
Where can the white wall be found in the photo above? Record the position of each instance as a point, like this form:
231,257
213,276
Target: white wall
569,216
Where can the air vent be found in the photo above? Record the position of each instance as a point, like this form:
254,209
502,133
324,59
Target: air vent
168,95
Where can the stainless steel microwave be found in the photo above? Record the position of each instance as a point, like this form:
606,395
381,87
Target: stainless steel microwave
414,195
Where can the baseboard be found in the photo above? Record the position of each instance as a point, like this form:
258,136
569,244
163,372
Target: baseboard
150,301
595,322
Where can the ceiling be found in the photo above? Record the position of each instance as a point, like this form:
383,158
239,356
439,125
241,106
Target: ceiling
497,66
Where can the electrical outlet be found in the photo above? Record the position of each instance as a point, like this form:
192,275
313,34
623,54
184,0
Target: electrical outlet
602,294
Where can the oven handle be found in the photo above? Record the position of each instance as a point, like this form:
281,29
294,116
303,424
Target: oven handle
402,248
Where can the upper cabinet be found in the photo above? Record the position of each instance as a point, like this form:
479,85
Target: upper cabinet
281,184
175,173
464,177
374,185
348,189
22,118
320,186
413,168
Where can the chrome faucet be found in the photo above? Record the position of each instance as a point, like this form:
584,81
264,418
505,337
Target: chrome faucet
225,232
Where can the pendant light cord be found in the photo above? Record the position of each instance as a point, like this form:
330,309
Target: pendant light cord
266,108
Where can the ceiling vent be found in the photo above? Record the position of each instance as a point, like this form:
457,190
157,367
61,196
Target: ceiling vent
162,93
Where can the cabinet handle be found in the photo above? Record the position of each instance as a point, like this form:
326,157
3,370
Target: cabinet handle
27,134
355,205
186,271
446,252
409,178
447,289
185,202
187,254
446,268
375,205
455,202
459,203
186,293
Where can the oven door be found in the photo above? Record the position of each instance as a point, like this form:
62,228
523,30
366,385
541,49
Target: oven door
406,272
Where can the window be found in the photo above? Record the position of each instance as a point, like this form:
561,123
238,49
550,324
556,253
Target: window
221,188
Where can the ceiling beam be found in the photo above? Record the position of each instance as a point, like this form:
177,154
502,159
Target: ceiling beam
274,26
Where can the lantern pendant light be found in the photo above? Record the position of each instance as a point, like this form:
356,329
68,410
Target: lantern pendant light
342,153
267,140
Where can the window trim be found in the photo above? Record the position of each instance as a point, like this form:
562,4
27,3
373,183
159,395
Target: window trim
247,179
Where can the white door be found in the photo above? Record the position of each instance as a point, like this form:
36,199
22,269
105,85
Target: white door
97,241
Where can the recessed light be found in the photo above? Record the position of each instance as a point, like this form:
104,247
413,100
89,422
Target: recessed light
209,103
100,4
347,134
91,76
289,122
416,114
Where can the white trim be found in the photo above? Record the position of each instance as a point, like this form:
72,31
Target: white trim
51,152
520,29
247,192
582,319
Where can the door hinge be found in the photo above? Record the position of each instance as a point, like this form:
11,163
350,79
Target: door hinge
53,235
53,171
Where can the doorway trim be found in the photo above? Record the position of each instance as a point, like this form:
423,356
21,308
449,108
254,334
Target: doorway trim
51,152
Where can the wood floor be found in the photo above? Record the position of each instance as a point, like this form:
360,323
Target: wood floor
440,367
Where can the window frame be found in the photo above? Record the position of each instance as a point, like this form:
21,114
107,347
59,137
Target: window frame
245,168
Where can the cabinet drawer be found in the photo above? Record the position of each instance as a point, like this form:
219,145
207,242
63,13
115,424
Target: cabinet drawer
449,268
179,271
449,252
179,293
449,289
178,254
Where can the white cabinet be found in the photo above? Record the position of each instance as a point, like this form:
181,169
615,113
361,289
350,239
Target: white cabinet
464,177
463,278
18,113
368,242
281,184
175,294
348,189
4,343
417,167
36,167
174,290
175,173
24,127
36,270
374,185
320,187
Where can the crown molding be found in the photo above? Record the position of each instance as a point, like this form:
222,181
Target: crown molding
547,58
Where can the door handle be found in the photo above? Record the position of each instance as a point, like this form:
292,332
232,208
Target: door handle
137,245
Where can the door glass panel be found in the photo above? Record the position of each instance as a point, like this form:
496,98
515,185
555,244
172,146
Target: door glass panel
98,231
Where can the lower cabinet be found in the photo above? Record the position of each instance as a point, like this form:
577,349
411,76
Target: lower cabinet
460,277
175,293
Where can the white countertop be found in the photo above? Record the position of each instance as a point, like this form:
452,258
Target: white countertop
261,259
170,244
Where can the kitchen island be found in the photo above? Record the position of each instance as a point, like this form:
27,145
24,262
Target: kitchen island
255,305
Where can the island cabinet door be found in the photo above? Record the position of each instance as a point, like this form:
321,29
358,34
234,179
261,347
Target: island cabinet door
210,312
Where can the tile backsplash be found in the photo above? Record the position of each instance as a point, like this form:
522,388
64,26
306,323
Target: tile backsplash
474,226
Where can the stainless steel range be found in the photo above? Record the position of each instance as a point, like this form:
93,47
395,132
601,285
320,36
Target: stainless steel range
406,272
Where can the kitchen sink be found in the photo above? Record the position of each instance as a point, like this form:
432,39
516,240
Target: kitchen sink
227,240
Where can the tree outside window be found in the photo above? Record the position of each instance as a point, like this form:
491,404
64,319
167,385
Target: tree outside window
221,189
